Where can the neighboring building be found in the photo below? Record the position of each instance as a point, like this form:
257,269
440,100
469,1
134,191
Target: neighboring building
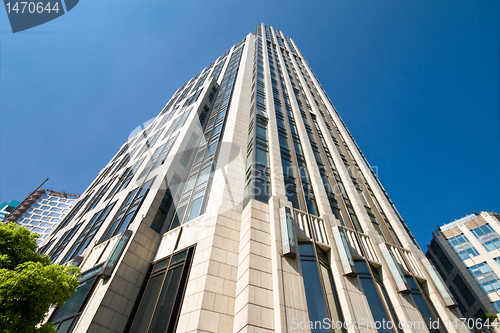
46,212
245,206
7,208
42,210
466,253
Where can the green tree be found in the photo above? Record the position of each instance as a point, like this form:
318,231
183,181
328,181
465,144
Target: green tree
29,282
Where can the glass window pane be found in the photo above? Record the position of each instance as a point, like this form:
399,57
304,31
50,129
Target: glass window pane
306,249
330,295
125,223
166,300
161,265
292,197
221,115
312,208
190,182
179,216
287,167
203,176
198,156
424,311
65,326
361,266
496,305
314,294
210,121
280,122
211,148
411,283
195,209
178,257
298,149
71,307
261,190
374,302
148,304
261,132
216,130
261,156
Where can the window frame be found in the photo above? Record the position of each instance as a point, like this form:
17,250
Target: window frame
76,316
179,294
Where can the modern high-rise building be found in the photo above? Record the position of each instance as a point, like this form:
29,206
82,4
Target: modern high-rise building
466,253
245,206
7,207
41,211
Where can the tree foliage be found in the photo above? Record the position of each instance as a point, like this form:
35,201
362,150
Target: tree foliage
29,282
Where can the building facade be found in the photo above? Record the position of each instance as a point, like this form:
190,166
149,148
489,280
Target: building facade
466,253
245,206
6,208
42,211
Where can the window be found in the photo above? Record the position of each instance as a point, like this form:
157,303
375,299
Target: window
441,257
66,316
261,157
149,143
88,233
463,248
162,300
199,156
190,182
188,151
378,305
195,208
125,178
166,203
127,211
211,148
261,132
487,236
211,96
159,156
44,248
97,197
485,277
496,305
422,304
63,242
464,290
257,176
461,305
72,213
321,303
203,176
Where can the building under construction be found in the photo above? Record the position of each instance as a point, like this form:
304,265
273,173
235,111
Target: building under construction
42,210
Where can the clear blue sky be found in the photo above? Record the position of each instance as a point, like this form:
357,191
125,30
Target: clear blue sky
417,83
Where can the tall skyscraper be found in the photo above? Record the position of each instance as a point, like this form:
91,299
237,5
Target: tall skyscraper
245,206
466,253
44,212
41,211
